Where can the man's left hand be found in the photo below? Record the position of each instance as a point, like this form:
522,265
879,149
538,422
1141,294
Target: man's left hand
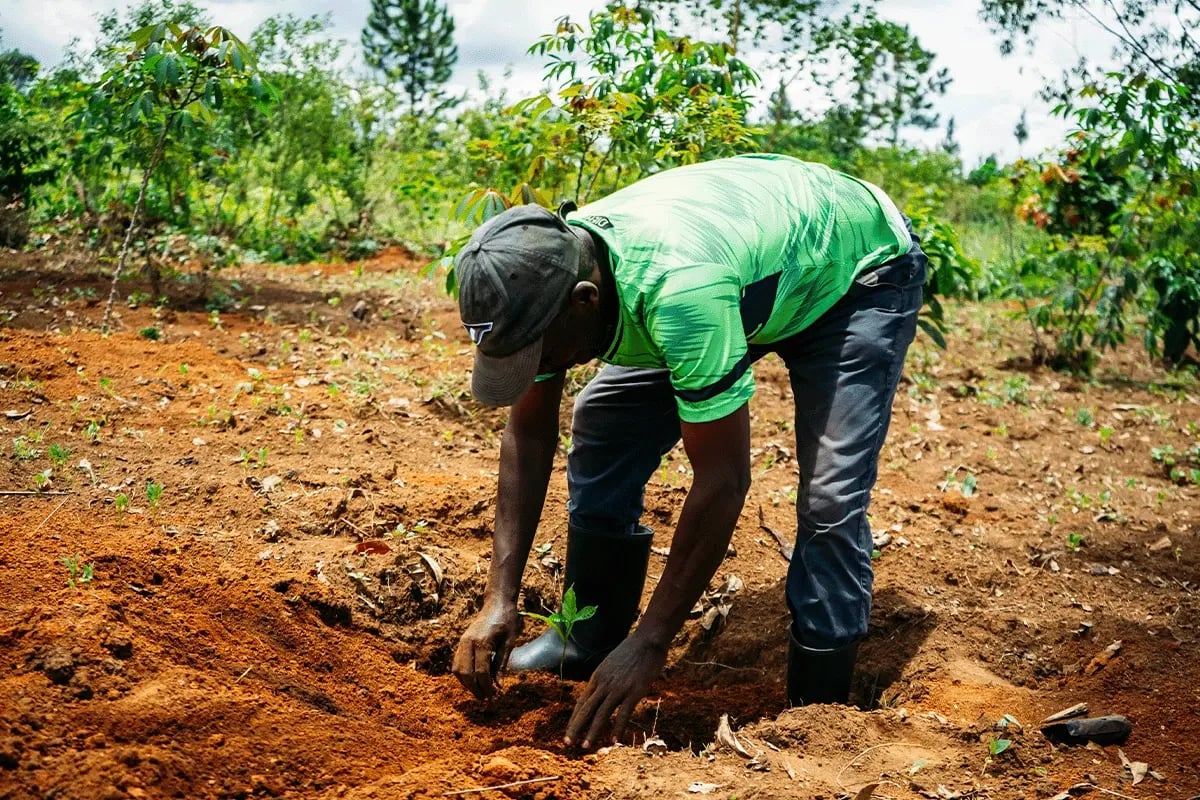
621,680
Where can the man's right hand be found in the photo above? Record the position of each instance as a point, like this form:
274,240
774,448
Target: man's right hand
483,650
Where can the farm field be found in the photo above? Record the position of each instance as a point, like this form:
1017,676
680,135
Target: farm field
235,562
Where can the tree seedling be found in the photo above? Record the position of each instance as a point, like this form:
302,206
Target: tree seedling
563,621
78,573
59,454
154,493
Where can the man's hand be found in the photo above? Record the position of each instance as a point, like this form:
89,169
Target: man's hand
618,684
483,650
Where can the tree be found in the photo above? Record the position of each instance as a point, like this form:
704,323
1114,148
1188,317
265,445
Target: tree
170,84
23,143
412,43
789,26
1155,37
890,75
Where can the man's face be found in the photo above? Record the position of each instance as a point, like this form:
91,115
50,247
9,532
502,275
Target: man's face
568,340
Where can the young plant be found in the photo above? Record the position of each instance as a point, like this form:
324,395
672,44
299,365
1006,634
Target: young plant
43,478
59,454
563,621
22,451
121,502
78,573
154,493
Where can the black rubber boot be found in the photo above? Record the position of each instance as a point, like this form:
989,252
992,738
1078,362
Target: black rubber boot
819,676
608,572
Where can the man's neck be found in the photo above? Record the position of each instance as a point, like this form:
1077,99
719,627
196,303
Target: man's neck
596,251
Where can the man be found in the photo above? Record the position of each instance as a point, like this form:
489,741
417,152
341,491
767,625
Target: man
680,282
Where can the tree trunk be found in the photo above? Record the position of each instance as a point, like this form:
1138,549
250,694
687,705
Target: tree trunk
133,223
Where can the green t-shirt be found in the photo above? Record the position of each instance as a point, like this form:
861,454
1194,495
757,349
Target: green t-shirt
711,257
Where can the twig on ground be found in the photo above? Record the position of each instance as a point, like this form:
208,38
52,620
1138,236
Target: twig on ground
51,514
502,786
1107,791
718,664
785,549
838,778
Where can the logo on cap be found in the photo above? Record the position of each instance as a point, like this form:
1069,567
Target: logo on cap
478,330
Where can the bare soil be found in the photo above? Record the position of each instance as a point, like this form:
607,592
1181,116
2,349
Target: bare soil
280,622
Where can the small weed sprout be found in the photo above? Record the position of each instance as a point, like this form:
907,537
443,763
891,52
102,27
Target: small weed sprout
78,573
563,621
967,485
152,333
92,431
154,492
1085,417
43,478
1075,541
22,451
121,502
59,454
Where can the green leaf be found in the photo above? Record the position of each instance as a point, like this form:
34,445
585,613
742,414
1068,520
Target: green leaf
568,603
932,332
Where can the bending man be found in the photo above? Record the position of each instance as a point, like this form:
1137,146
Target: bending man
680,283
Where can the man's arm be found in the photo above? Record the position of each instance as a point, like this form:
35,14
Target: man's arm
526,457
720,455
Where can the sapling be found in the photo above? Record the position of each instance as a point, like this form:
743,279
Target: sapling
59,454
77,572
563,621
153,493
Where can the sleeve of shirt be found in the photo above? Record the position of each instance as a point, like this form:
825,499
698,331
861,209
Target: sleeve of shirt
695,321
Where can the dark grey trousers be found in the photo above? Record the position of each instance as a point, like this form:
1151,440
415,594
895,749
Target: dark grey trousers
844,370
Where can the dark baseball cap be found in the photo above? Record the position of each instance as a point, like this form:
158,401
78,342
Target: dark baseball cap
514,277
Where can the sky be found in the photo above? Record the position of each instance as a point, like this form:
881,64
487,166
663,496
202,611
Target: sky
986,98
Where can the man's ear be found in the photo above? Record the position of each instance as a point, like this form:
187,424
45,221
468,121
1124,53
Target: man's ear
586,293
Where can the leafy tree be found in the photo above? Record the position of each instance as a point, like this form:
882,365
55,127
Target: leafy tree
787,26
891,77
171,83
412,43
1155,37
1121,205
316,143
18,69
23,144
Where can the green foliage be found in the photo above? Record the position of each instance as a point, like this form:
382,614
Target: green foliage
78,573
1120,207
1180,467
412,43
59,454
154,492
632,99
169,88
563,621
23,146
891,77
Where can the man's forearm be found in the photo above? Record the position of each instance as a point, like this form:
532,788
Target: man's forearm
526,458
698,548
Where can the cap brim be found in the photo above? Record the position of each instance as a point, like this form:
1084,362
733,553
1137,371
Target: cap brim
502,381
